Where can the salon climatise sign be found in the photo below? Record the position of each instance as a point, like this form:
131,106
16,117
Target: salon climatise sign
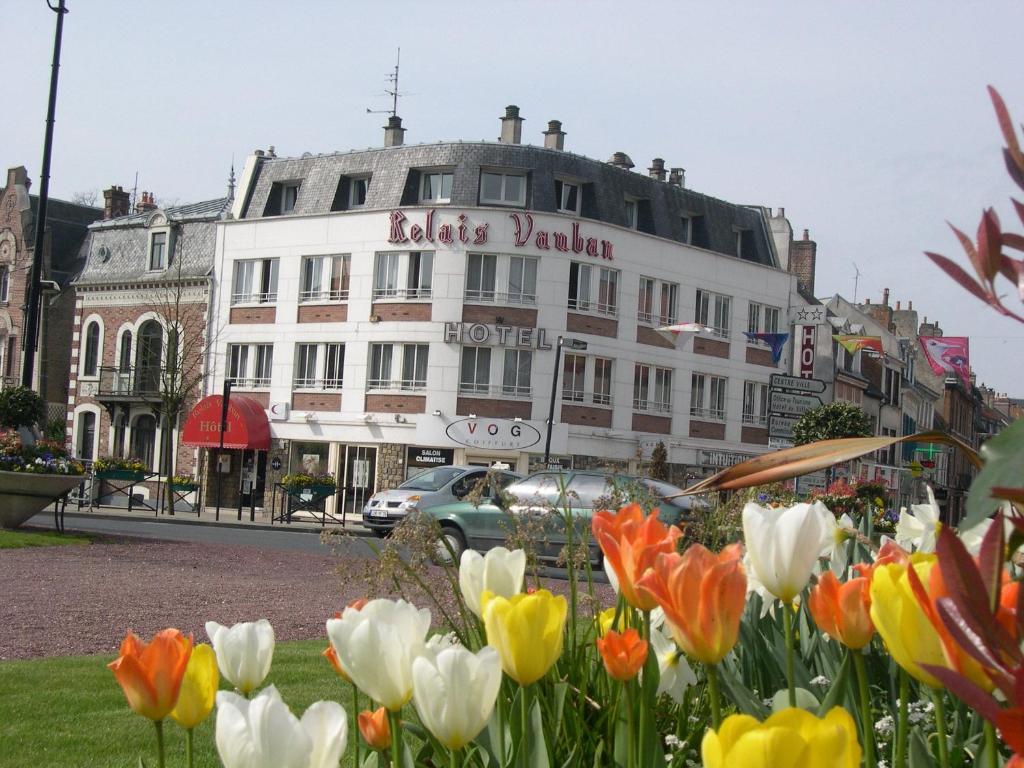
493,434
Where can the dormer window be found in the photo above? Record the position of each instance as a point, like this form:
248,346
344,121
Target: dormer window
436,187
289,194
567,197
282,198
632,208
686,227
357,192
158,251
502,188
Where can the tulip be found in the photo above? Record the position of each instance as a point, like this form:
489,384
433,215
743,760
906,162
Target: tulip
784,544
455,692
834,548
326,723
631,542
919,528
623,653
703,595
500,571
842,611
332,659
150,674
376,646
675,675
791,738
261,733
527,632
198,688
374,728
244,652
606,621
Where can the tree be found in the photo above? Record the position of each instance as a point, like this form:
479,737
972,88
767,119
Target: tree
658,469
86,197
20,407
830,422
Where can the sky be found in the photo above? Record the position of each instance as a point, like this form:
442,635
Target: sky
868,122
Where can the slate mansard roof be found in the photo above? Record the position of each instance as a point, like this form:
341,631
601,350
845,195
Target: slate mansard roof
395,174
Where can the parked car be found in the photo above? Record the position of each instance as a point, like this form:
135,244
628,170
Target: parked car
440,485
546,497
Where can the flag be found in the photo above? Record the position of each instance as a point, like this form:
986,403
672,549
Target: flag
852,343
774,340
948,355
685,328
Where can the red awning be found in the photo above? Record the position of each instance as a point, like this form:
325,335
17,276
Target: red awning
247,424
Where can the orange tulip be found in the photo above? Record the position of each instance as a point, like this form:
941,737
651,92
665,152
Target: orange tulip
150,674
332,658
631,543
703,595
623,653
843,611
375,728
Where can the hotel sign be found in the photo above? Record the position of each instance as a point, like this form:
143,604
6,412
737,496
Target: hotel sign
505,335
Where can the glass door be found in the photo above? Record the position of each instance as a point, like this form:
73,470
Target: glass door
357,477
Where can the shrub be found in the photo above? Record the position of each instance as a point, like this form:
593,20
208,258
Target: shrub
20,407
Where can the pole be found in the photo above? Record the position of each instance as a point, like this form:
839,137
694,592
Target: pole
32,300
225,400
551,405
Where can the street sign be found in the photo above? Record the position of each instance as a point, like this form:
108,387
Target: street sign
787,404
796,384
781,426
779,442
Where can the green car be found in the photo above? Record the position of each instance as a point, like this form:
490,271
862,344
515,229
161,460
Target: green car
536,508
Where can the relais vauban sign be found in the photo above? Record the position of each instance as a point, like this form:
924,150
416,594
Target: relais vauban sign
462,231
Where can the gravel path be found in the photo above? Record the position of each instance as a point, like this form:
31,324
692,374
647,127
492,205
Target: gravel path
71,600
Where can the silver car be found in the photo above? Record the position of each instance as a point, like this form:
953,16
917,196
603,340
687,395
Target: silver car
441,485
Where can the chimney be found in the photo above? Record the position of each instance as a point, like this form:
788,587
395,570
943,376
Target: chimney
115,203
146,203
910,305
780,213
511,126
677,177
803,256
657,169
554,136
880,313
621,160
394,133
885,296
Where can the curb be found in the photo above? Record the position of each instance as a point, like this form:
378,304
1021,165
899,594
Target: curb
182,520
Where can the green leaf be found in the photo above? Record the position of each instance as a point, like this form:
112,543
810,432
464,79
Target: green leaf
835,693
372,760
1004,466
919,754
537,746
744,700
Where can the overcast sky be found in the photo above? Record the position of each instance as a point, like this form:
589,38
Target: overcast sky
868,121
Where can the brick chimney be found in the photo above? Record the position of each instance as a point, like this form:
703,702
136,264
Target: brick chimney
621,160
394,133
146,203
554,136
677,177
657,169
511,126
880,313
116,202
803,257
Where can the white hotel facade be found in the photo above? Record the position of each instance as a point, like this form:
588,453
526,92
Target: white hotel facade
398,307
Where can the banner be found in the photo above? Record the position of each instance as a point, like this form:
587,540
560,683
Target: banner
852,343
948,355
774,340
685,328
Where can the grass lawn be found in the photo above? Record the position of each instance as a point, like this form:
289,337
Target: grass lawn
18,539
69,712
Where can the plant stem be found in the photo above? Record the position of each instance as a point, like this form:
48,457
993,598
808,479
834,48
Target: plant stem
189,752
396,738
630,725
900,760
991,747
524,711
159,743
453,759
787,628
867,723
940,727
716,704
355,719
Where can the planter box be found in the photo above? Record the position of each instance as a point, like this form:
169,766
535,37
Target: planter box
183,487
121,474
311,492
24,494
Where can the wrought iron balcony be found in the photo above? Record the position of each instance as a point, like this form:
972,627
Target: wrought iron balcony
125,384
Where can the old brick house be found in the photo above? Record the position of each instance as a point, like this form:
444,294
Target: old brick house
141,328
66,230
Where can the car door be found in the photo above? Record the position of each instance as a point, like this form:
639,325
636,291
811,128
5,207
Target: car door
584,493
533,508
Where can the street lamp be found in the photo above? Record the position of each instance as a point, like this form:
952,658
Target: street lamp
571,344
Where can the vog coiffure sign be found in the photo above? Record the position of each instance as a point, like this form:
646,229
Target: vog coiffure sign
493,434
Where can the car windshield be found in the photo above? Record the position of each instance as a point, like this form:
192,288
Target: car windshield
432,479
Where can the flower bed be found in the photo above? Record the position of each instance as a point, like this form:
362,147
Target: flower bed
32,477
117,468
306,487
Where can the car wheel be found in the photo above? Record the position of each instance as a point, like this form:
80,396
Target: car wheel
453,539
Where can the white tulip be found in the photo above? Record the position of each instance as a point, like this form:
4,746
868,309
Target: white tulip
973,537
260,733
455,692
326,724
675,674
377,645
244,652
919,529
835,547
500,570
784,544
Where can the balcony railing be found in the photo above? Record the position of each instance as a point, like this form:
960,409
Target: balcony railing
513,391
142,382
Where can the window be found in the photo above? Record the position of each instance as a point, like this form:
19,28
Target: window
250,365
475,378
652,388
632,208
289,194
86,435
413,362
686,229
522,279
515,380
891,385
665,294
158,251
707,397
5,275
581,289
602,381
390,268
713,310
486,271
144,440
645,303
497,188
91,358
480,276
436,187
318,366
357,192
567,197
744,243
255,281
762,318
573,374
325,278
755,403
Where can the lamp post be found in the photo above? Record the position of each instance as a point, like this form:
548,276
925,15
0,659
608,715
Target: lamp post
571,344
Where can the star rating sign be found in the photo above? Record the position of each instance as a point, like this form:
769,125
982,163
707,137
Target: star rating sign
810,315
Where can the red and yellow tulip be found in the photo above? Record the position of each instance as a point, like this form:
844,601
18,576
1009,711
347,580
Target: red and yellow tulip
150,674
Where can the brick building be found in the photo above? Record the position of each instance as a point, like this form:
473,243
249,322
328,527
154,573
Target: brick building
66,229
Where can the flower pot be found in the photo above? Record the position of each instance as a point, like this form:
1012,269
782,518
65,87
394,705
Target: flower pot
24,494
121,474
183,487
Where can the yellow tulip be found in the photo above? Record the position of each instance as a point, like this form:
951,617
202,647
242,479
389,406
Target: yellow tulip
792,738
526,630
605,621
198,688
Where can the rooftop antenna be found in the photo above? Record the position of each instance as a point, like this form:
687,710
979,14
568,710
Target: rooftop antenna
392,92
856,280
135,192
